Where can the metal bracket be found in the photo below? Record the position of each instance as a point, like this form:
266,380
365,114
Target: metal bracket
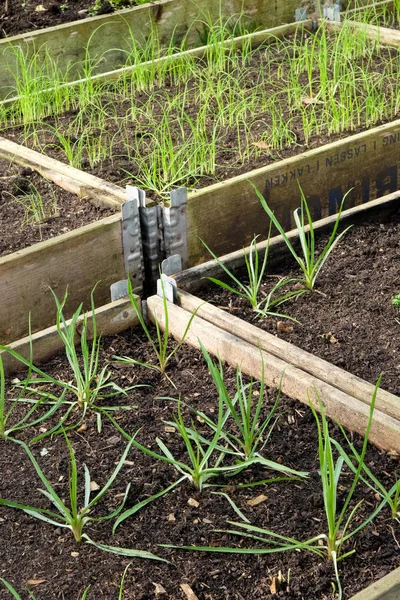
172,264
332,13
131,247
175,226
151,227
301,14
167,287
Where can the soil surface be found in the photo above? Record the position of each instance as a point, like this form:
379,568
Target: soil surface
33,209
349,320
46,559
21,16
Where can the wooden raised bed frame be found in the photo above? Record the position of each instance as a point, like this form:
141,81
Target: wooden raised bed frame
78,259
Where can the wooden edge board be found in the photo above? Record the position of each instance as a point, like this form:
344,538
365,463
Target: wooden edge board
383,35
375,5
191,279
335,376
74,180
257,38
296,383
24,255
111,318
386,588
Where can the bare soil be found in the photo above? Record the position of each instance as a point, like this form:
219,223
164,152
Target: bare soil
19,16
349,319
63,211
46,559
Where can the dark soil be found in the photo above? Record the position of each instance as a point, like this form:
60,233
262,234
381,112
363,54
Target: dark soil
63,211
19,16
32,550
349,320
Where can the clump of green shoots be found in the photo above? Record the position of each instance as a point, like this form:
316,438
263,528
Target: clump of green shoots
160,345
310,262
36,209
255,274
75,516
332,543
396,301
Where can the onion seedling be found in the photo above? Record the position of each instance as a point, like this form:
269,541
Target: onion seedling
255,274
332,543
74,517
309,262
32,596
160,346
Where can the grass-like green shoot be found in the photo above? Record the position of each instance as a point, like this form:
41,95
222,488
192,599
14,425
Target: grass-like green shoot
310,262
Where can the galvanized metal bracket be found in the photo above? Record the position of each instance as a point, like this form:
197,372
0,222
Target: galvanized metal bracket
172,264
332,13
131,247
301,14
167,288
152,236
175,226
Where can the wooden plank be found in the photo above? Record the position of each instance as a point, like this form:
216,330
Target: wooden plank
227,215
296,383
192,279
84,185
386,588
111,318
376,7
77,260
109,36
376,33
322,369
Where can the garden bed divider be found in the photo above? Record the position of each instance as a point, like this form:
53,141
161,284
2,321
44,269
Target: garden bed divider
111,318
104,252
386,588
294,382
383,35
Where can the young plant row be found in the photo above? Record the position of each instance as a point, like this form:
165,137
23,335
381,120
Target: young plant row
224,446
186,120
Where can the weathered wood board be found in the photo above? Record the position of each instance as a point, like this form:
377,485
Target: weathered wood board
386,588
111,318
84,185
108,37
295,382
227,215
77,260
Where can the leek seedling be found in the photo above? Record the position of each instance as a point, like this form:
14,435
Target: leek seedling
255,273
75,517
160,346
23,422
310,263
253,435
328,544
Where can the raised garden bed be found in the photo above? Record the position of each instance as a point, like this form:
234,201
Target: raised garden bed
184,516
108,39
325,172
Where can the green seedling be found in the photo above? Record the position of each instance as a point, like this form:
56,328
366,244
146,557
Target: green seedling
31,595
310,262
255,273
332,543
75,516
160,346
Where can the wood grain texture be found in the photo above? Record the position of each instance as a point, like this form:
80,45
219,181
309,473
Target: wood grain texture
77,260
192,279
383,35
110,35
228,214
84,185
322,369
296,383
386,588
111,318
